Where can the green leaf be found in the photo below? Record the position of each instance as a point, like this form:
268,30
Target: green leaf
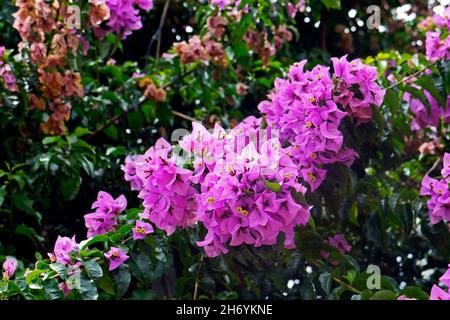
70,186
52,290
384,295
51,140
325,282
96,239
60,269
353,214
87,288
93,269
112,132
273,186
414,292
80,132
28,232
2,194
306,289
122,280
332,4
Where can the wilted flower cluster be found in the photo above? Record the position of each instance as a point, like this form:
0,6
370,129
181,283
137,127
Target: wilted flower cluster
203,49
124,15
303,109
50,40
424,118
151,91
104,218
259,41
7,77
439,204
439,294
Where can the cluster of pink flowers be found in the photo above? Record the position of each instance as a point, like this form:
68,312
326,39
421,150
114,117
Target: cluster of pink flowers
439,294
303,109
6,74
424,118
233,173
340,243
104,219
356,88
222,4
437,42
124,15
294,8
235,203
168,199
439,204
63,247
9,268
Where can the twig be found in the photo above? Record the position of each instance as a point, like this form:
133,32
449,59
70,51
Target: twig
124,113
337,280
197,277
157,34
438,160
411,76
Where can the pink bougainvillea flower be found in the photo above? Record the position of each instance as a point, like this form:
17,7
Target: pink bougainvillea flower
124,15
115,257
141,230
439,192
340,243
63,247
9,268
438,294
104,218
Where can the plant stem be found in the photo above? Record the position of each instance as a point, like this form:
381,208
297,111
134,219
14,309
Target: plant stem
337,280
197,277
411,76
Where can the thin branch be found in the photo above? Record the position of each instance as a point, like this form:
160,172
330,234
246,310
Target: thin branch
337,280
197,277
157,34
438,160
124,113
411,76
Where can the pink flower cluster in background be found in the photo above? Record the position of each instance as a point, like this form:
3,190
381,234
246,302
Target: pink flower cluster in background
438,190
6,74
340,243
124,15
437,43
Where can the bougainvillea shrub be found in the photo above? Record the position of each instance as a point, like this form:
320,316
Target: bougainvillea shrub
224,150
